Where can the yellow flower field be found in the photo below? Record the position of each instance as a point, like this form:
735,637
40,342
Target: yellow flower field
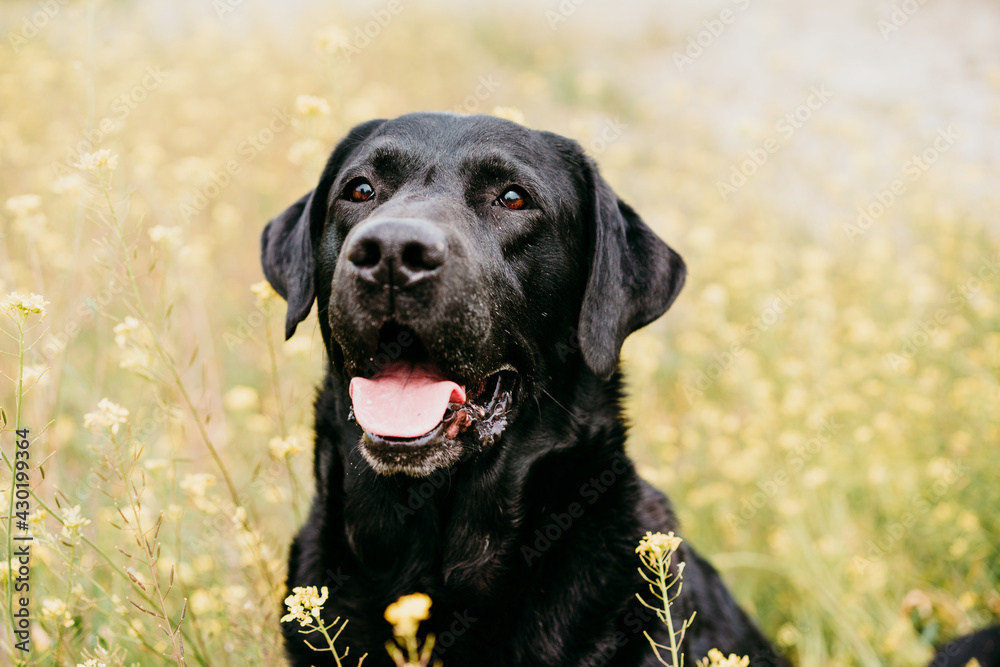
822,403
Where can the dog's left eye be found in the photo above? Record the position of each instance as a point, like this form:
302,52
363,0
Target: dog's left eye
359,190
514,198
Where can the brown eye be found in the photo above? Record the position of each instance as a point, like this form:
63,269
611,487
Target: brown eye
514,198
359,190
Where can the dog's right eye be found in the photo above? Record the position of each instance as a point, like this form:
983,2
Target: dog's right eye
358,190
514,198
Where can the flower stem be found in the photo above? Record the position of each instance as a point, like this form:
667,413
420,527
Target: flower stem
178,382
18,398
329,640
667,616
148,555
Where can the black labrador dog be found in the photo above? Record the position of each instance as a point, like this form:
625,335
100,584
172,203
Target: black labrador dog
475,281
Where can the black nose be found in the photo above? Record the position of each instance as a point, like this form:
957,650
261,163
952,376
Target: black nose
397,251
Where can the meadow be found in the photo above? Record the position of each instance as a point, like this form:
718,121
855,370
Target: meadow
822,403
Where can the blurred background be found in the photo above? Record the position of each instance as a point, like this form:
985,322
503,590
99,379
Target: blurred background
822,403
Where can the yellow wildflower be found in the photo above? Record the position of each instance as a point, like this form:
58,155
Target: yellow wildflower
239,516
330,39
234,596
98,161
241,398
23,205
136,357
54,609
203,602
788,635
14,566
509,113
406,613
155,464
67,183
308,105
73,521
123,330
281,448
197,483
108,415
657,545
263,291
305,604
919,601
17,303
716,659
170,236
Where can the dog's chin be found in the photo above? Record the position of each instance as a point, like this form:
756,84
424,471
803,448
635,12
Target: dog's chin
469,427
416,457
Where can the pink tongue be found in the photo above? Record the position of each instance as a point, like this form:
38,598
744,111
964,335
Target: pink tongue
403,401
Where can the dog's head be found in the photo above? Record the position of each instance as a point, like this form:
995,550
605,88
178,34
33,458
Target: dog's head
459,263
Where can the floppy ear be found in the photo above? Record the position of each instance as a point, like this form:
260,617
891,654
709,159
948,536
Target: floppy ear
634,277
288,243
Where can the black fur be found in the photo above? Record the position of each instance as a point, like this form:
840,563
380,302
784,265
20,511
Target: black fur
983,646
526,545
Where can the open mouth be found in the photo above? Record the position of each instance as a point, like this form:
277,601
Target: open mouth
409,410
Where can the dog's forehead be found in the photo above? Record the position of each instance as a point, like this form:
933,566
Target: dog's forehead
458,142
